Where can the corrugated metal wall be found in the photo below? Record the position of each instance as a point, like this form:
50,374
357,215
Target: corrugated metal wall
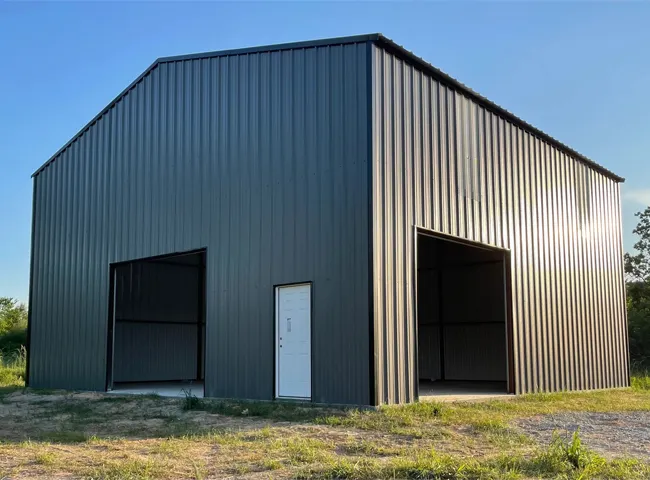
156,322
262,159
443,162
146,352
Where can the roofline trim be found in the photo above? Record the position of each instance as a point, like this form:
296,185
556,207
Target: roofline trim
488,104
376,38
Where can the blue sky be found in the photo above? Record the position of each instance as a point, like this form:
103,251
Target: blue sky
578,71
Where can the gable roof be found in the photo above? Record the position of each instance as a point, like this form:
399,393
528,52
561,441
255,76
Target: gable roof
378,39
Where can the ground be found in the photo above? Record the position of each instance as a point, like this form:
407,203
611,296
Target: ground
612,434
92,435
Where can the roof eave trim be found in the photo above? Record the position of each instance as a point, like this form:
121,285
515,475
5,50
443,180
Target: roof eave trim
488,104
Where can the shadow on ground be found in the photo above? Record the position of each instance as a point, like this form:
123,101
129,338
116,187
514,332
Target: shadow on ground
65,417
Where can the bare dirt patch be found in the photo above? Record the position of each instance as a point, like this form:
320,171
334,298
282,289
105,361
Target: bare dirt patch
25,415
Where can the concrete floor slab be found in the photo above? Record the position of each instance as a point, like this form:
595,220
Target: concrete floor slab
164,389
454,391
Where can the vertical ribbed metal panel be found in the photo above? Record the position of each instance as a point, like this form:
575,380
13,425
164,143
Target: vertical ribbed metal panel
156,315
442,162
474,344
146,352
262,158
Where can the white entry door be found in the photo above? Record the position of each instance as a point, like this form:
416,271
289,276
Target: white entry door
293,341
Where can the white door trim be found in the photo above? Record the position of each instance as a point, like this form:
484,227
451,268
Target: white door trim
277,339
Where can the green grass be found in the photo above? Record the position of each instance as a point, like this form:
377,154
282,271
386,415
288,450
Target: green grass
561,459
161,438
640,380
281,411
139,469
74,408
12,368
271,464
417,419
45,458
371,448
60,436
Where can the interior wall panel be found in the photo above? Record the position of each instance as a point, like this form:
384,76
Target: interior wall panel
474,351
156,321
146,352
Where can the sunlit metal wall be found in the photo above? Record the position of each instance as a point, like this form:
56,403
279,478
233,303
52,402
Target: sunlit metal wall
445,162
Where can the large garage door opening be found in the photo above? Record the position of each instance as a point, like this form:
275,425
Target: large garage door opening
156,332
462,319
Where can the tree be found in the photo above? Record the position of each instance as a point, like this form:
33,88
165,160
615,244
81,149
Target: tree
637,270
13,315
13,326
637,267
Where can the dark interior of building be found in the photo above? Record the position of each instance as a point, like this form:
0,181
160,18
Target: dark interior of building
462,346
159,326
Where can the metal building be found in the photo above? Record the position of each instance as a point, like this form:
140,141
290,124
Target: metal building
335,221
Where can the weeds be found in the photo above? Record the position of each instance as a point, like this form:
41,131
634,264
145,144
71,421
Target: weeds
127,470
640,380
561,459
191,401
45,458
63,437
271,464
293,412
12,368
425,420
368,447
574,452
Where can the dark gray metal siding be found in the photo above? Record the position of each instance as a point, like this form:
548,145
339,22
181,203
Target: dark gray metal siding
474,294
443,162
262,159
156,322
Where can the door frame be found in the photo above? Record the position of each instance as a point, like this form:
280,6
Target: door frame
507,265
110,327
276,336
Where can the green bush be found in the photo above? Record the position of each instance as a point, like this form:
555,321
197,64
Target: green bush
12,368
12,341
13,315
13,327
638,319
637,270
13,338
640,380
